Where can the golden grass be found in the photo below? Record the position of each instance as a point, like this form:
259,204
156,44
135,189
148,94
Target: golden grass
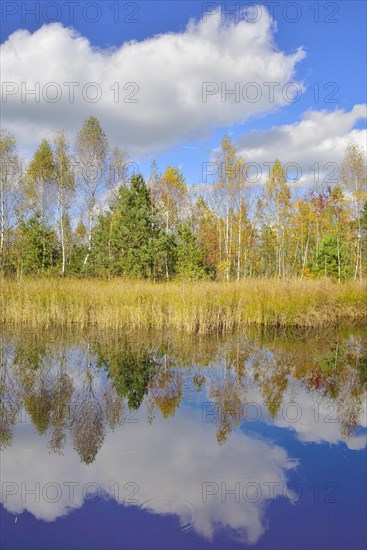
202,308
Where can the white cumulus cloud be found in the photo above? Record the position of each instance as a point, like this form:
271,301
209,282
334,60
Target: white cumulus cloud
319,137
168,71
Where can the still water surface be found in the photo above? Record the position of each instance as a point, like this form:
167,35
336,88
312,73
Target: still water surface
169,441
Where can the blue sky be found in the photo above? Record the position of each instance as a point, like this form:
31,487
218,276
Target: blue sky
332,35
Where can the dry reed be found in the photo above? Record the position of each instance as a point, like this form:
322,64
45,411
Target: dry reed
202,308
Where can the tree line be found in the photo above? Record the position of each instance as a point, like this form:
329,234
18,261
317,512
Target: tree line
76,210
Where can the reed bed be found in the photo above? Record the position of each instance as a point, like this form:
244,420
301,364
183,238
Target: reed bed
202,308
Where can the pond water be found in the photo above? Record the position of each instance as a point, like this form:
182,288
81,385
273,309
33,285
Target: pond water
170,441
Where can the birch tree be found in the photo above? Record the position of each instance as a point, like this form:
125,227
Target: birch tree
9,178
230,187
171,192
40,175
353,177
278,198
64,178
117,168
91,152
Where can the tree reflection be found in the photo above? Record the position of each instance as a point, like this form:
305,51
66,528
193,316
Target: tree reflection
167,389
10,399
76,388
35,381
114,408
88,422
229,406
129,371
60,414
271,372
